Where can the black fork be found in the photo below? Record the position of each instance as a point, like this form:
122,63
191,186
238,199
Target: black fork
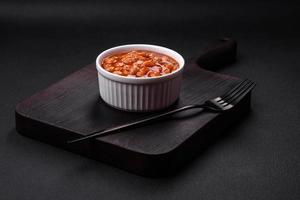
221,103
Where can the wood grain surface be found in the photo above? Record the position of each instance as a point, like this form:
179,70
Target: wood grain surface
72,107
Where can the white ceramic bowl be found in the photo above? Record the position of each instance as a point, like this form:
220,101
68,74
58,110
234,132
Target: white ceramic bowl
139,94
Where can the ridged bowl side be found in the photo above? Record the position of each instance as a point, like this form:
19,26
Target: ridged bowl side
139,97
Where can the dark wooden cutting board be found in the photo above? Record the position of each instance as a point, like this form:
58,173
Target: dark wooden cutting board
72,107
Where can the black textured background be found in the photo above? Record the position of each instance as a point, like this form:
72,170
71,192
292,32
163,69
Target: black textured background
43,41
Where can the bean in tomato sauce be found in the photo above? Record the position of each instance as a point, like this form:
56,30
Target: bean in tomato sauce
140,63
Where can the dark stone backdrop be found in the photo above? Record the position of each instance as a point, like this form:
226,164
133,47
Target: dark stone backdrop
43,41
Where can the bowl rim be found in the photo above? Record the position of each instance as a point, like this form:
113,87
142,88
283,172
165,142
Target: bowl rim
136,80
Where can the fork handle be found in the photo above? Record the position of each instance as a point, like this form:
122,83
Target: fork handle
137,123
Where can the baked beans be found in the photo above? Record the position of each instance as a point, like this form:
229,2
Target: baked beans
140,63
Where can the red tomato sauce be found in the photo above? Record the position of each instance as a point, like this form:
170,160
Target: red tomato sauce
140,63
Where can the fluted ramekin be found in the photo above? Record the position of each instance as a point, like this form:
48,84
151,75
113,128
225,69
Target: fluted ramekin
139,94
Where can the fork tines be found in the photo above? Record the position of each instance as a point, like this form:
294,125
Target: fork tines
236,94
